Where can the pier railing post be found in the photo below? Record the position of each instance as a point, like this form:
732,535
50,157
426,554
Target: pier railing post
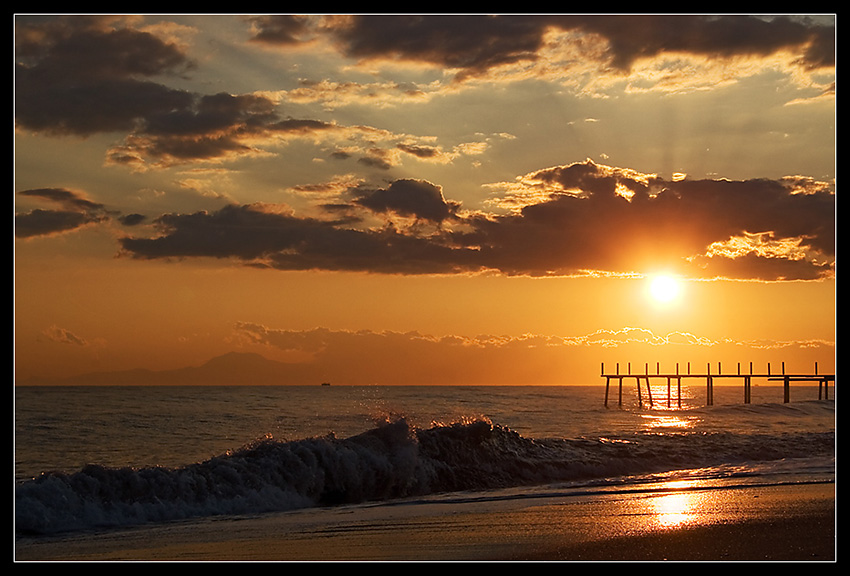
607,381
640,396
620,399
679,390
820,382
786,385
709,392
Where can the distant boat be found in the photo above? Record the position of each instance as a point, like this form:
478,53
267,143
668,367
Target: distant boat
326,383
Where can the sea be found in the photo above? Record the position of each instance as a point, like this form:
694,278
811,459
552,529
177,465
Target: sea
106,458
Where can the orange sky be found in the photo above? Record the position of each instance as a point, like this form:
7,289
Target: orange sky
364,197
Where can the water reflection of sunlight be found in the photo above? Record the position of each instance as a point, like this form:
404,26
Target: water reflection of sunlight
663,397
678,507
675,421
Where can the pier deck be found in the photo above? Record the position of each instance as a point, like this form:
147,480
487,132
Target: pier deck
823,381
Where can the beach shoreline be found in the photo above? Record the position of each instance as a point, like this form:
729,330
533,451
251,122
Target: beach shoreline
775,522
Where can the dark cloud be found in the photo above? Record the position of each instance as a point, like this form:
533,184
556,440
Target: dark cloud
212,114
374,159
84,75
477,43
472,43
419,151
751,265
595,218
76,75
64,197
608,219
416,198
635,36
81,75
44,222
283,241
75,213
132,219
213,127
281,29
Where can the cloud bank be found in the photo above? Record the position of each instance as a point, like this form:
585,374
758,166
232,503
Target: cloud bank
87,75
361,357
577,219
585,218
474,45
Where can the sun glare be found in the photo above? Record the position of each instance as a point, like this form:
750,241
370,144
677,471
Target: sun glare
664,289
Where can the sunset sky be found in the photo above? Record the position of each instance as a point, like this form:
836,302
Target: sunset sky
424,199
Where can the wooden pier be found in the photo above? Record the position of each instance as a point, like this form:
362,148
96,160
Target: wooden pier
710,377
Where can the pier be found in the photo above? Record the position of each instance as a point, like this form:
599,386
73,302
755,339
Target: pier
710,377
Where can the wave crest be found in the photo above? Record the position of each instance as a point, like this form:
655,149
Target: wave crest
392,460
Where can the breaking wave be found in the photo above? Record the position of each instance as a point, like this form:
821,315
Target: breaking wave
392,460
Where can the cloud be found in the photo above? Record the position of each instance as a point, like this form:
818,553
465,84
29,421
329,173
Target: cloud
566,220
317,342
86,75
366,356
630,335
132,219
827,94
45,222
213,127
76,213
476,46
260,237
471,44
609,338
417,198
740,256
333,94
63,336
66,198
634,37
585,217
81,75
285,30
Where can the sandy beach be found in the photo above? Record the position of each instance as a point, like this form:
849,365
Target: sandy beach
755,523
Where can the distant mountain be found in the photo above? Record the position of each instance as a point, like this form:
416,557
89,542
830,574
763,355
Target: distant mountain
233,368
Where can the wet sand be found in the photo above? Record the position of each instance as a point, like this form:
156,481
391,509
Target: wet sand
756,523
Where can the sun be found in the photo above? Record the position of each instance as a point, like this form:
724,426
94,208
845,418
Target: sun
664,289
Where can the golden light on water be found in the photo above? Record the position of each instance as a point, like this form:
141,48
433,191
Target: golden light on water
674,509
667,421
680,506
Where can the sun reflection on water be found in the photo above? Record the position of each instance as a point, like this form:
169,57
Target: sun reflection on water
675,509
667,421
679,507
